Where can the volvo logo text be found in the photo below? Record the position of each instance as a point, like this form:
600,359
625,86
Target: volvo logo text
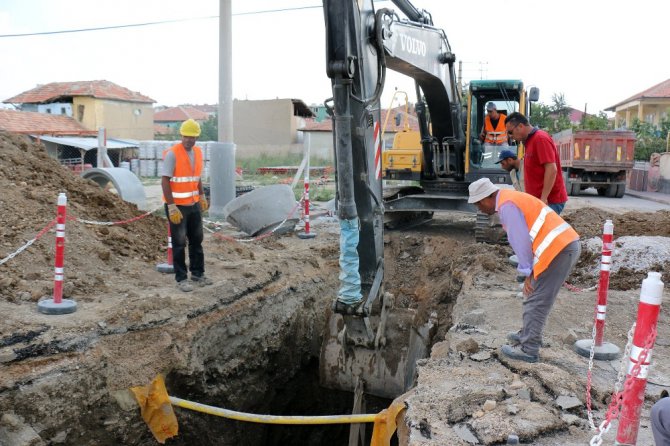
412,45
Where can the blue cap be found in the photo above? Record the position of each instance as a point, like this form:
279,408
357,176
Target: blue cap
505,154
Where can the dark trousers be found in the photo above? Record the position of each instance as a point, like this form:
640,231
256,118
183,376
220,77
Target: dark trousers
536,307
189,230
660,422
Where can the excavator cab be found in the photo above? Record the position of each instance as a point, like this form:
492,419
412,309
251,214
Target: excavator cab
481,156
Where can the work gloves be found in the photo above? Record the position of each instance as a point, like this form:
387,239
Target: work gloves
174,214
203,203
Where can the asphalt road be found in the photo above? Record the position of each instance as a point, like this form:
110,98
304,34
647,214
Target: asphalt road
627,203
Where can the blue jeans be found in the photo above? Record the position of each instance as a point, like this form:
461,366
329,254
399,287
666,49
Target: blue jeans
190,229
557,207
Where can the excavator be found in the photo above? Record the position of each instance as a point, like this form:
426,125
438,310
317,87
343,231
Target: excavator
374,350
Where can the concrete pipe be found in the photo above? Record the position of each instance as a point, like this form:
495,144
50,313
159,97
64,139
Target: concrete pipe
127,185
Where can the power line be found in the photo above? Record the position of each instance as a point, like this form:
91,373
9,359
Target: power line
162,22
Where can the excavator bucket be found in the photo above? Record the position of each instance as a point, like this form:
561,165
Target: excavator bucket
381,350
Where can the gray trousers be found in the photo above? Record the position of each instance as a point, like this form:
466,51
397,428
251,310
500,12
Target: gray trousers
660,422
537,306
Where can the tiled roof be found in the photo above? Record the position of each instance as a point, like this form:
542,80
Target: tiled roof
206,108
97,89
661,90
40,123
181,113
327,124
162,129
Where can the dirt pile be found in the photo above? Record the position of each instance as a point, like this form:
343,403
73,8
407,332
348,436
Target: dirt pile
632,228
31,181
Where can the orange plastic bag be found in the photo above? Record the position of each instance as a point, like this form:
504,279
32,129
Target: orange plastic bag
385,424
156,409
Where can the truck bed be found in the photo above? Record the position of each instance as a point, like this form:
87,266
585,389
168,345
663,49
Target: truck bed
596,150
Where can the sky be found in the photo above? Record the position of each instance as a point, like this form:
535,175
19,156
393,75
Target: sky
595,52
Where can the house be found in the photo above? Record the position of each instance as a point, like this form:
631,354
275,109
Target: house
651,105
269,122
93,104
319,135
64,138
33,123
172,117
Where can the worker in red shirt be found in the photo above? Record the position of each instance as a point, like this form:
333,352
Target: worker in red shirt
543,177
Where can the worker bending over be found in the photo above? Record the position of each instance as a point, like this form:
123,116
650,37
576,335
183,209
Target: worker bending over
547,248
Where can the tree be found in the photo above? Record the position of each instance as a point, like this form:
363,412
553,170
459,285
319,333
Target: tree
600,122
210,129
650,138
559,106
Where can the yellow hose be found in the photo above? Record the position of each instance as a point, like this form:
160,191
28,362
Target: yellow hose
272,419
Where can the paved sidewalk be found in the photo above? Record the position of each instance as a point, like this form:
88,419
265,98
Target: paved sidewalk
652,196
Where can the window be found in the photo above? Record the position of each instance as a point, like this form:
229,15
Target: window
80,112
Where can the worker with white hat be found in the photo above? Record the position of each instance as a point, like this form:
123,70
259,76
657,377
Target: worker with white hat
548,249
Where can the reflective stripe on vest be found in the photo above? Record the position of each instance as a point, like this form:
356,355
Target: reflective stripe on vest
496,135
548,232
186,177
547,241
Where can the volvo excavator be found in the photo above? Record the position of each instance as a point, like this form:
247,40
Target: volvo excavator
374,349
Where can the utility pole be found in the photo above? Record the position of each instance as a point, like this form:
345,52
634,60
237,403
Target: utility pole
222,154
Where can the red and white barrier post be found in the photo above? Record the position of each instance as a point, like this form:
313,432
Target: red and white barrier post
167,268
306,234
58,305
640,358
601,350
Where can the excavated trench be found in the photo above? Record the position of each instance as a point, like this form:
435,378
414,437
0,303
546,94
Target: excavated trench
266,360
252,350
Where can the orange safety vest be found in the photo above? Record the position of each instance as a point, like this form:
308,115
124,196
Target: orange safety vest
185,179
496,135
549,233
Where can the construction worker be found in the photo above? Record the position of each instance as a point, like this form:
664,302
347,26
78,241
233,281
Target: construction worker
543,177
509,161
547,247
184,201
494,132
660,420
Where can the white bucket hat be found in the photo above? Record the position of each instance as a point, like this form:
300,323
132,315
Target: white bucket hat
481,189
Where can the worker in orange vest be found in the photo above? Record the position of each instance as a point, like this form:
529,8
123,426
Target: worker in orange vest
184,203
547,248
494,131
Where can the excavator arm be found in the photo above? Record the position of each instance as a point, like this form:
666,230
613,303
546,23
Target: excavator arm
377,344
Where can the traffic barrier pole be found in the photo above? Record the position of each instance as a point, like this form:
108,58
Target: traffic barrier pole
586,347
58,305
167,268
639,362
306,234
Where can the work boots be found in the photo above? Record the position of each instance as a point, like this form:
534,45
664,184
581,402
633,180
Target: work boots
201,280
184,286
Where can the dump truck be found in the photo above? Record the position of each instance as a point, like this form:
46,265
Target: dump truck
596,158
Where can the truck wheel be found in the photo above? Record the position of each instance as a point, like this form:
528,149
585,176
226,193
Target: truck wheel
601,191
575,188
611,190
620,190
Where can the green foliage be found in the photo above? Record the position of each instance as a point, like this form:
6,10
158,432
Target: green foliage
559,105
650,138
209,130
551,118
600,122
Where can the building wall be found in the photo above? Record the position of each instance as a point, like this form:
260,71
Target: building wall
652,111
320,145
124,120
264,122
